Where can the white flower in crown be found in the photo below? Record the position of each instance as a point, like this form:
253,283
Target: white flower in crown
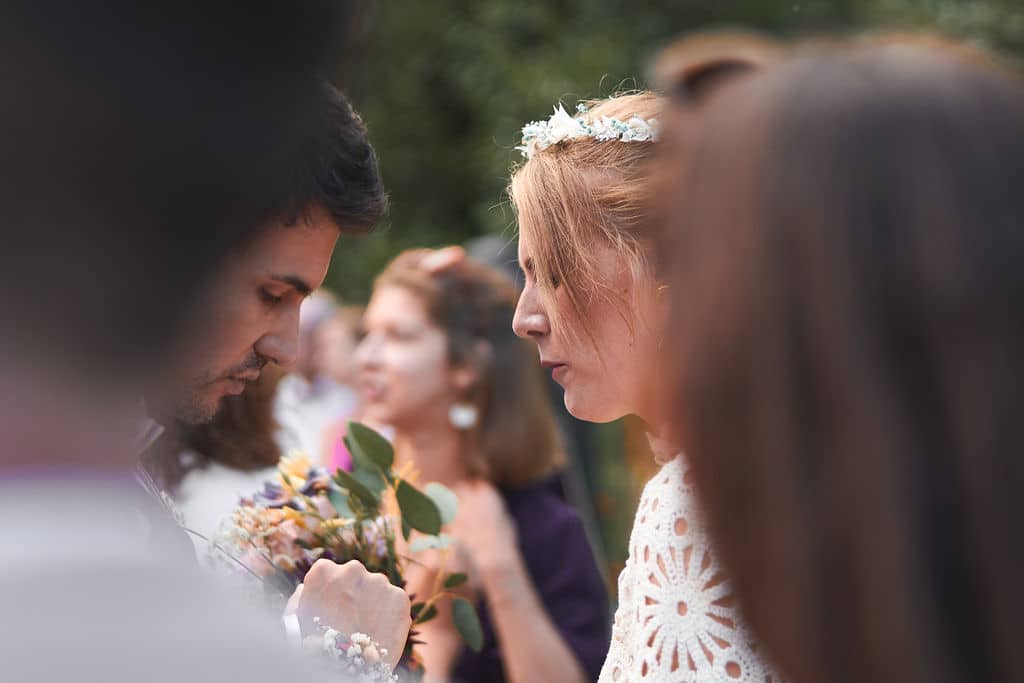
561,126
539,135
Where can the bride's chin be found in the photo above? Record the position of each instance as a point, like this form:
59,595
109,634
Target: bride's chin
589,410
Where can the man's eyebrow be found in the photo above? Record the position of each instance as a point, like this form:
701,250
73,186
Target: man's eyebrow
300,285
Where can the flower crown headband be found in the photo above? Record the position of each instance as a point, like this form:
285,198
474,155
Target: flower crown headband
539,135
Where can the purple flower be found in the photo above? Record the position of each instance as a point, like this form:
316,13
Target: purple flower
273,495
318,479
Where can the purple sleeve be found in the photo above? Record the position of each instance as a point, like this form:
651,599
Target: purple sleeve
565,574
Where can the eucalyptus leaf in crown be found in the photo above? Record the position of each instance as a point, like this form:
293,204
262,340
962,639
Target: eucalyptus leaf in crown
307,514
539,135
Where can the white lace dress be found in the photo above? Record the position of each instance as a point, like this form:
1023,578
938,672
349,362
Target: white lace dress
677,620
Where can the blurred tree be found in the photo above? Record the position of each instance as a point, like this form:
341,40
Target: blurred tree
445,86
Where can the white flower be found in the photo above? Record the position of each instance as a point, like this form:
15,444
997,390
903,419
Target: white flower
561,126
539,135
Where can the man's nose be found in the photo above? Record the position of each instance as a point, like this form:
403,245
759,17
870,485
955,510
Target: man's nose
281,345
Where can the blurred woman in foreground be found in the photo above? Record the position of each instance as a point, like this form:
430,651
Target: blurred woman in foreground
468,406
848,281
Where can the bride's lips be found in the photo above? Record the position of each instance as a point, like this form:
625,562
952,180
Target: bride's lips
557,369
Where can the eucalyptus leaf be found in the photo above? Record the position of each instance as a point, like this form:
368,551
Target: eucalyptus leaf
417,509
417,607
446,501
372,479
421,543
468,623
357,489
340,502
454,580
406,530
370,446
426,615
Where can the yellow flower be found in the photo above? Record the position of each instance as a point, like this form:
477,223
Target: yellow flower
296,465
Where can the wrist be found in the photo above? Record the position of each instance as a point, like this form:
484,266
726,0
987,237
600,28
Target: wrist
504,580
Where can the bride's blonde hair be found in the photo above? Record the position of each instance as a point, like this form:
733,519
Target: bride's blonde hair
585,191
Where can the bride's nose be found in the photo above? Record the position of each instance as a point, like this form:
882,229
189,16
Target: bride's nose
530,321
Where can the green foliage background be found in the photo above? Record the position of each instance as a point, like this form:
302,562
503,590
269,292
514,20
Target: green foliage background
445,85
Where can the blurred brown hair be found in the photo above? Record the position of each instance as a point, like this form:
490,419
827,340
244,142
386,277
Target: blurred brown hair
517,441
691,67
848,290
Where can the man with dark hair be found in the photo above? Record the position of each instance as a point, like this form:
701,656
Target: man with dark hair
252,316
146,150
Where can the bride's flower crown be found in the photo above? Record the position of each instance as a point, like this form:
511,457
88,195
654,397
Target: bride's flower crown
539,135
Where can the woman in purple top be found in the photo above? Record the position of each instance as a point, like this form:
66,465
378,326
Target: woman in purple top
441,366
559,561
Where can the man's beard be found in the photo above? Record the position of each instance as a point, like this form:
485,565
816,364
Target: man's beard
194,410
196,407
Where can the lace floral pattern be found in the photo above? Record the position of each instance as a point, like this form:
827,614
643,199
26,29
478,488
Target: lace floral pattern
677,620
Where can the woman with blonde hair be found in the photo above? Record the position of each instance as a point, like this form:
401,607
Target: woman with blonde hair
469,409
595,308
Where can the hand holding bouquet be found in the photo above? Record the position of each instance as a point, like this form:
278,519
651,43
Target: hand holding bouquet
308,514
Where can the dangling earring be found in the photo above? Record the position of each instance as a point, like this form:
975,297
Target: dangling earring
463,416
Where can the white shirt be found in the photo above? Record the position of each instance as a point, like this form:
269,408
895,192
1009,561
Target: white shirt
306,411
92,592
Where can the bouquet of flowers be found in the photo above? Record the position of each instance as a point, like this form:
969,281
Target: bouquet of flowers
308,513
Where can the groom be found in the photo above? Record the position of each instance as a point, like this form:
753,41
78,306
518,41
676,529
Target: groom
250,318
138,144
251,315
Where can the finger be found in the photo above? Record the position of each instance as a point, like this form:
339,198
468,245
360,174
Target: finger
316,572
441,259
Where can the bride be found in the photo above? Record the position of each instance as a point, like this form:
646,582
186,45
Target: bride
594,307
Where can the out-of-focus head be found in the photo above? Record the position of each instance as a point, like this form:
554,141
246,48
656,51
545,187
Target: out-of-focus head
847,298
253,313
138,144
690,68
438,333
316,311
589,298
333,345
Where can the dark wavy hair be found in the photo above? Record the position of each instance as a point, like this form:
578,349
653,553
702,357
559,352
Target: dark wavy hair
337,168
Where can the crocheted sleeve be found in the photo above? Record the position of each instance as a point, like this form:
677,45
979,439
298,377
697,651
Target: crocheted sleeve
677,619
